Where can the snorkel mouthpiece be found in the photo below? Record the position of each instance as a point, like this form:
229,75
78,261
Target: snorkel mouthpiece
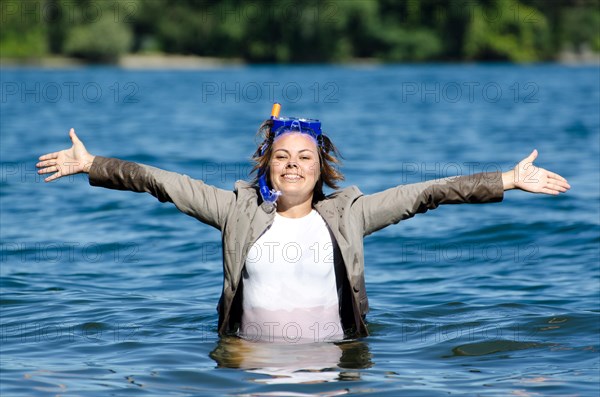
280,126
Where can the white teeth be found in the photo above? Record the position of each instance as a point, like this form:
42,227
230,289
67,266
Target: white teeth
291,176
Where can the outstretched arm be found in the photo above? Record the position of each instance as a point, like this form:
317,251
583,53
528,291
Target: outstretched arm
393,205
376,211
193,197
70,161
528,177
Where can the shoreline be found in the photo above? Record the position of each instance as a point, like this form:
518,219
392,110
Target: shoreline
194,62
132,62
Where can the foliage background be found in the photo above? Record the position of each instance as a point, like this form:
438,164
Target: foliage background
302,31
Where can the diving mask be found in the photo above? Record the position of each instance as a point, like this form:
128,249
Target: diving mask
282,125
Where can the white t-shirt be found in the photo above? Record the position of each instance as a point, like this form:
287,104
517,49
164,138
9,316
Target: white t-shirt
290,291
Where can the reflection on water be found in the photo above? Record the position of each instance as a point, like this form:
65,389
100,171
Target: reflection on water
495,346
294,362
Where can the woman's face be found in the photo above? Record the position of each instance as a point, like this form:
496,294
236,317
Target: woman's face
295,165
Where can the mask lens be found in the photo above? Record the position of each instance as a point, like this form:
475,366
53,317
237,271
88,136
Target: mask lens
305,126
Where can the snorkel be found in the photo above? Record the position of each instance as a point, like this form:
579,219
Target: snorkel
282,125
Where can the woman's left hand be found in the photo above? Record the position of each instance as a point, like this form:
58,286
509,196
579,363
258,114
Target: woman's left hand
530,178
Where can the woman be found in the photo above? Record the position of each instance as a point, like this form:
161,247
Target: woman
292,258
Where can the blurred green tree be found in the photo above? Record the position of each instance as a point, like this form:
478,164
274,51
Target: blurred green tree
22,30
507,30
299,31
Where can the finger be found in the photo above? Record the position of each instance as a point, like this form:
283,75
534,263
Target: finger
531,158
49,156
73,136
557,180
556,176
53,177
48,170
46,163
546,190
562,184
556,187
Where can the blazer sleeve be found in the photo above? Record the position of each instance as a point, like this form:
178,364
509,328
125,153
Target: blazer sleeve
193,197
389,207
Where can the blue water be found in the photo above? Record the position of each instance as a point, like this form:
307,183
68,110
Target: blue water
113,293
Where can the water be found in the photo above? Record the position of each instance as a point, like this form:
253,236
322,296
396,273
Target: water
113,293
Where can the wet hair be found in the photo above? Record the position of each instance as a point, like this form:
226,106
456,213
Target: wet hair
329,160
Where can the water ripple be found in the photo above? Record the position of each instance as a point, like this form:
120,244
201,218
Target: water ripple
111,293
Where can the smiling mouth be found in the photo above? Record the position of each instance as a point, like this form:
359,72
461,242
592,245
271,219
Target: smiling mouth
291,177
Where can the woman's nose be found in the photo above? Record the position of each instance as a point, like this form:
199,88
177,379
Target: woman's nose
291,164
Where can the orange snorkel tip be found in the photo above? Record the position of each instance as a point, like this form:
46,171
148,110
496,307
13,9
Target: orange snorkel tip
275,110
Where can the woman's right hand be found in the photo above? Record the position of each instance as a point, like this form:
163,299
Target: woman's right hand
66,162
